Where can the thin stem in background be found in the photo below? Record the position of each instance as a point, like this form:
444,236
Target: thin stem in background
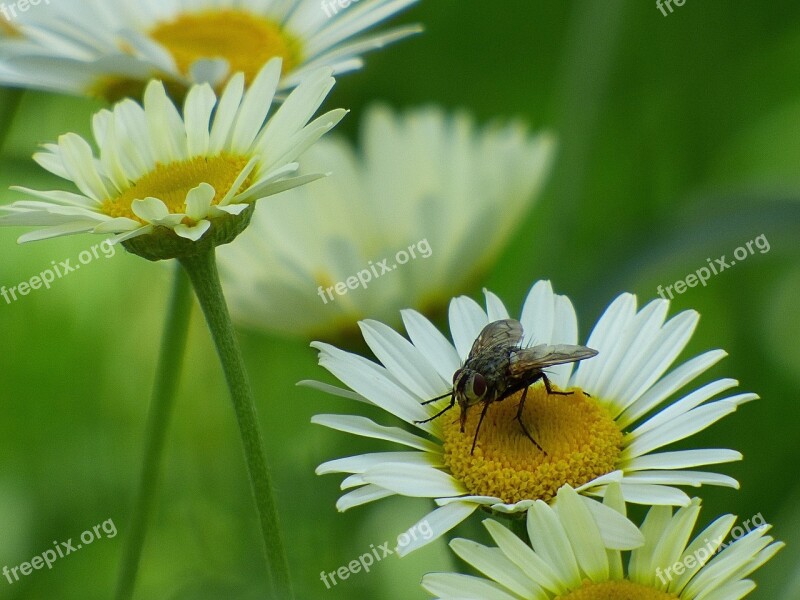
170,363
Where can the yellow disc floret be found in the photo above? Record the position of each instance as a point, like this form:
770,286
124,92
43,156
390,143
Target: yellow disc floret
616,590
171,182
247,41
580,439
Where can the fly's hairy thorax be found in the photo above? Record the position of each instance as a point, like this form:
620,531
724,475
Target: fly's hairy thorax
493,365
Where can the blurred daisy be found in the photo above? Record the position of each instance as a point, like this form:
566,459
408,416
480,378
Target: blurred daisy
111,48
607,430
567,559
157,169
403,215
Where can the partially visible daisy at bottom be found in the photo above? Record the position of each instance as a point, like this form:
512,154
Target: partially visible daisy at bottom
607,430
567,559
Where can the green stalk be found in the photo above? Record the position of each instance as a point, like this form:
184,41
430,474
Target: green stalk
170,362
202,270
10,99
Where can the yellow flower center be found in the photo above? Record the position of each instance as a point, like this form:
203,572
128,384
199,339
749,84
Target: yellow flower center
171,182
246,40
8,29
580,439
616,590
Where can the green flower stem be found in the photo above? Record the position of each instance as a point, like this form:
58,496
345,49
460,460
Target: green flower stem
9,103
202,270
170,362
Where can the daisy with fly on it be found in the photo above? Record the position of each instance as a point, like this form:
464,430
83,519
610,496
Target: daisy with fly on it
111,48
624,406
566,558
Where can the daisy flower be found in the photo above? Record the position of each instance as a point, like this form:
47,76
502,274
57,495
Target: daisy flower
607,430
111,48
425,182
158,171
567,560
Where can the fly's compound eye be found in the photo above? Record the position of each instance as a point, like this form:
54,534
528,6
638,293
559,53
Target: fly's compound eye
476,387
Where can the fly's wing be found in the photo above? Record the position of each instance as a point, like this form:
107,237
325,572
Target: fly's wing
539,357
507,332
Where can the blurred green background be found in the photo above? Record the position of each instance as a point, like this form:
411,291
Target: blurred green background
679,141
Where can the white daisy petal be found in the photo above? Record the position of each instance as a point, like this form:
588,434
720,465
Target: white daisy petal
361,496
492,563
610,328
538,313
654,495
681,459
669,385
565,331
467,319
200,104
679,428
193,232
693,478
402,359
332,390
549,539
366,428
583,533
495,308
438,522
371,381
365,462
149,209
198,201
436,349
463,587
616,531
538,569
417,481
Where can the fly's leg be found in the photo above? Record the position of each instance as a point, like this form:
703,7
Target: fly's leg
478,428
520,408
440,413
